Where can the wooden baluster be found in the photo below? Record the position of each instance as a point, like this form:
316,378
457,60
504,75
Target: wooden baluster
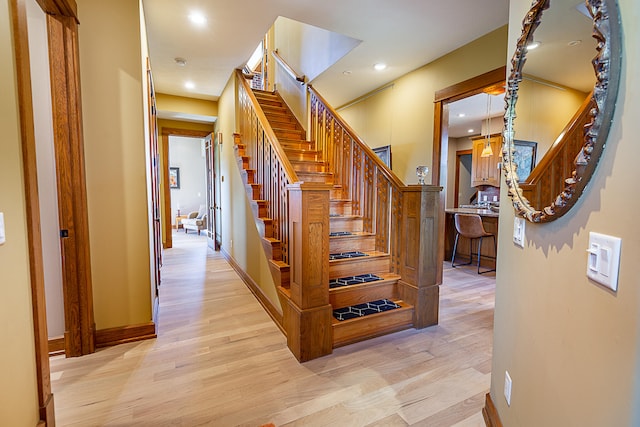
307,314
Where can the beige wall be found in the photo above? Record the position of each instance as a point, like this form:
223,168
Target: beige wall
18,394
240,236
116,166
180,104
570,346
543,111
403,114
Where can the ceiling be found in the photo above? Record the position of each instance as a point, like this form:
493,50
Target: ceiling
404,34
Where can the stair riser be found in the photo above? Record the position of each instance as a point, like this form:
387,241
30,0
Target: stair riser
339,207
289,133
355,330
278,117
259,209
352,243
284,125
308,166
345,224
265,227
315,177
355,266
272,249
253,190
269,102
296,144
344,297
301,155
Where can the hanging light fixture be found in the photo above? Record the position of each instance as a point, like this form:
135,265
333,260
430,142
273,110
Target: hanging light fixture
487,151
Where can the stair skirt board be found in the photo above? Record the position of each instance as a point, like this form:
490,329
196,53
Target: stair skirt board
364,309
353,280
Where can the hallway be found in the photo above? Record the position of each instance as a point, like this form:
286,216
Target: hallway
220,360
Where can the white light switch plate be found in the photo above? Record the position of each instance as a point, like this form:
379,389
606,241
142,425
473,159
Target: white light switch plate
2,238
518,231
603,259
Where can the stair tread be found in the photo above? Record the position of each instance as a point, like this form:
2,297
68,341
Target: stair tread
367,255
382,278
351,234
365,311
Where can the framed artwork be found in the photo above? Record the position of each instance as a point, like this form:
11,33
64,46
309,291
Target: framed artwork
174,177
385,154
525,157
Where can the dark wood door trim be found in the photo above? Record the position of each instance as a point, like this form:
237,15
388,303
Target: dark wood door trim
166,133
459,154
72,194
450,94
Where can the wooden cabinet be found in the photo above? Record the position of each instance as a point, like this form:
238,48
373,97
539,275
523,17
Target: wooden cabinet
484,170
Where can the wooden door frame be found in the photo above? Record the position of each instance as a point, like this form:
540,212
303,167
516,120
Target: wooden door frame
63,52
166,133
459,154
470,87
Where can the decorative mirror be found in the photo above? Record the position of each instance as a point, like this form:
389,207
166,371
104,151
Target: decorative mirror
564,170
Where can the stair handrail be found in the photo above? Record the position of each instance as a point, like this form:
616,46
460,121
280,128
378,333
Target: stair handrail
386,171
573,129
268,130
300,78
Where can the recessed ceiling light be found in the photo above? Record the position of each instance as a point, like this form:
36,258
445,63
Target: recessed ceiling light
461,115
379,66
180,61
470,131
533,45
347,72
197,18
573,43
189,85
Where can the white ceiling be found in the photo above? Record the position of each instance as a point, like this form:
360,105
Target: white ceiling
404,34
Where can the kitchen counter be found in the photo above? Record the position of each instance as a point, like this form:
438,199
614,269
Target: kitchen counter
490,224
480,211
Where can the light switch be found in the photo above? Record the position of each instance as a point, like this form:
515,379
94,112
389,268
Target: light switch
518,231
2,238
603,259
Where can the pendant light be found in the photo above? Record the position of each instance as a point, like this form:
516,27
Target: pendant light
487,151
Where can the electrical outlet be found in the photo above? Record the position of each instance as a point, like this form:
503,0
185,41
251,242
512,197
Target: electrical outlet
507,387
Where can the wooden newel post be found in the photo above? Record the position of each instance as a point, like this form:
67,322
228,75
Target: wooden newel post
423,252
308,313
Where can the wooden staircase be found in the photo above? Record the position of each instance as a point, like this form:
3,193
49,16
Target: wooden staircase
353,251
346,235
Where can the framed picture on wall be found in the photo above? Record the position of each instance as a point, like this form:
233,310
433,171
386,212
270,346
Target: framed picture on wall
385,154
525,158
174,177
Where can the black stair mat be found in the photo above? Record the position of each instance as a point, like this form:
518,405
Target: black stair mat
346,255
365,309
353,280
340,233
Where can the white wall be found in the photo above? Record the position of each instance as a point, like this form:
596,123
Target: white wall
187,154
45,154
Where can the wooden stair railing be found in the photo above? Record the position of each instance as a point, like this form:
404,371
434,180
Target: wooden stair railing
547,179
296,222
404,219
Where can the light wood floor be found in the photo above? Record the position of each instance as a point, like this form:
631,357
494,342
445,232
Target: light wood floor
219,360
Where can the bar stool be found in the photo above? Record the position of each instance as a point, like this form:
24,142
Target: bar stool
470,226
